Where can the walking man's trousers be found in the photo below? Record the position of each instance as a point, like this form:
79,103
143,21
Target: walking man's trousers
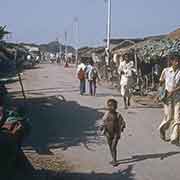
172,120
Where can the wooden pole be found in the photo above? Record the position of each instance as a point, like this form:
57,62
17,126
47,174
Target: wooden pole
22,87
19,77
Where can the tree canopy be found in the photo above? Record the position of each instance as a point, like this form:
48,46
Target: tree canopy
3,32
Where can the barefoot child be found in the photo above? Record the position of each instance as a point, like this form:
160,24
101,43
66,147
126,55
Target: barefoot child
113,125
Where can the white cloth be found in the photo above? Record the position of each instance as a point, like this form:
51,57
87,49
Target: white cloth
127,69
115,58
126,81
37,58
172,80
28,57
88,68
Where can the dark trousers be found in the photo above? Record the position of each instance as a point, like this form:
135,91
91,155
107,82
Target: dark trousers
82,86
112,142
92,87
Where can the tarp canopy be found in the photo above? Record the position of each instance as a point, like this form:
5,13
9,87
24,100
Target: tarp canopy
152,49
157,49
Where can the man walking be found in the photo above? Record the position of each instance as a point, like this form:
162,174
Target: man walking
170,78
126,71
92,75
82,77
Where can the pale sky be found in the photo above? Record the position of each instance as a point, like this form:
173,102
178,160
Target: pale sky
41,21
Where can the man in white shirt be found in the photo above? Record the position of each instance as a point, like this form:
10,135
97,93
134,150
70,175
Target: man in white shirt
92,76
170,77
126,71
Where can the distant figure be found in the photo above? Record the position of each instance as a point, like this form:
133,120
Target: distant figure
28,57
170,82
37,59
92,76
58,61
113,126
126,71
81,75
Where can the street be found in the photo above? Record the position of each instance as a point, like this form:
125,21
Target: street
65,125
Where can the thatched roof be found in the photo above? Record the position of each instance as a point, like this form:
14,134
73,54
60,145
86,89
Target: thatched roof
88,51
175,34
116,41
151,49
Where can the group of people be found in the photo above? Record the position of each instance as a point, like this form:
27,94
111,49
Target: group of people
113,122
14,125
87,72
169,93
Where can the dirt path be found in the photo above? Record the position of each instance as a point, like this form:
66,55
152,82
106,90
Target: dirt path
64,125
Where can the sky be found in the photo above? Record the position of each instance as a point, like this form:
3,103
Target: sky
42,21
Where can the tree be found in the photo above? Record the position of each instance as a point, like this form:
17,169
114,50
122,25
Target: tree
3,32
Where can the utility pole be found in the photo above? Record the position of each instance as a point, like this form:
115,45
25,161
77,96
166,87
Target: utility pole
107,50
65,36
77,37
19,74
60,48
59,53
108,32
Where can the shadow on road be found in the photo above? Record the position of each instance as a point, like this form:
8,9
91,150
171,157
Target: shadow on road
45,90
107,94
60,124
138,158
146,106
125,174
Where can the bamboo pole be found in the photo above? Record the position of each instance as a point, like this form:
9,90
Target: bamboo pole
19,77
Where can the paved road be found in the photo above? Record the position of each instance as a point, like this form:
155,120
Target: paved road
68,127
